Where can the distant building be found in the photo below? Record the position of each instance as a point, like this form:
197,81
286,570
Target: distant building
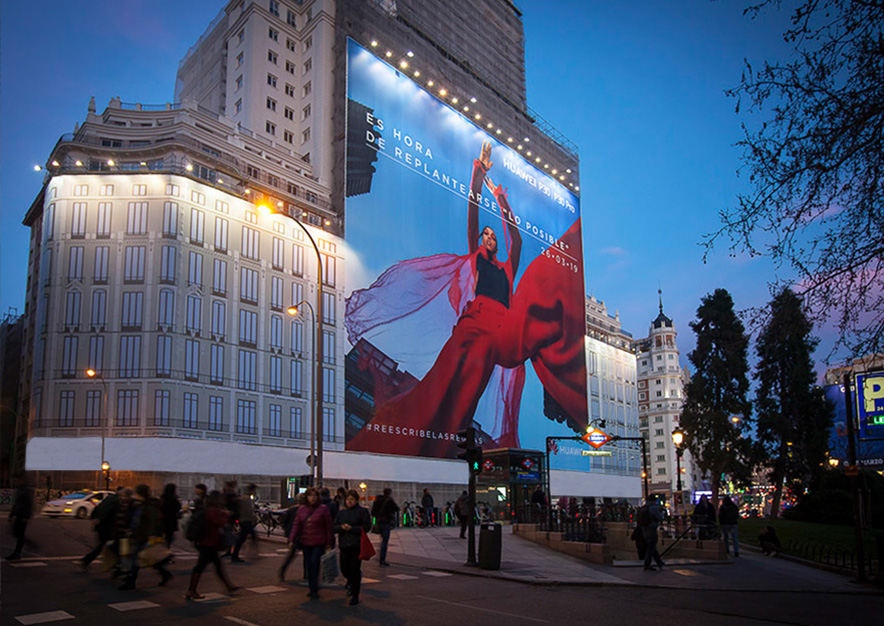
661,392
13,429
870,448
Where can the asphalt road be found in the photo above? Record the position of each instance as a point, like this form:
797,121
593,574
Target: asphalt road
48,581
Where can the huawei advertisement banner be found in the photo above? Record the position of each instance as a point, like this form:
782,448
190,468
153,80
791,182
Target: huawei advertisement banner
465,301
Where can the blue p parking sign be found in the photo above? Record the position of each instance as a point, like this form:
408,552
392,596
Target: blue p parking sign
870,404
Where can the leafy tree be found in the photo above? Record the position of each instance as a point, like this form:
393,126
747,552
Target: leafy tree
717,392
815,165
793,415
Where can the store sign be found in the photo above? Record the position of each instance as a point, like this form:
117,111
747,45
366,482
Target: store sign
596,438
596,453
870,403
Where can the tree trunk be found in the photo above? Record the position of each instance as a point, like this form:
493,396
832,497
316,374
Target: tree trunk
777,477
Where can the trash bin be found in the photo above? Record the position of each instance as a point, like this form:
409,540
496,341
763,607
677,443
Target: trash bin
490,541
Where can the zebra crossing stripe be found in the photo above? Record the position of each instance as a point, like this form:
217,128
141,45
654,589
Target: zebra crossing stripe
43,618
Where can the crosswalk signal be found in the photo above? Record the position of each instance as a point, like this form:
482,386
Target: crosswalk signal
476,461
472,453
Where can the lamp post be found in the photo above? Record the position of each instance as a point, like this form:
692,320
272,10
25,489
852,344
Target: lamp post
316,476
105,468
678,440
91,373
314,406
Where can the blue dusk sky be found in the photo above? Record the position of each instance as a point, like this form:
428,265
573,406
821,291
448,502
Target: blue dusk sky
638,86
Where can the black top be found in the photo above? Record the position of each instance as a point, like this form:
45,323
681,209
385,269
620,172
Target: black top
492,281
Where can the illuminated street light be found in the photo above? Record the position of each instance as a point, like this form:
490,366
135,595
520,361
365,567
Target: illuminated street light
91,373
678,440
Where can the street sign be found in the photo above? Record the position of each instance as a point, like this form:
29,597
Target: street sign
870,403
596,438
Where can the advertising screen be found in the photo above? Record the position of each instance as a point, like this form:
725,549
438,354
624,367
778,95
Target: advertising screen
464,288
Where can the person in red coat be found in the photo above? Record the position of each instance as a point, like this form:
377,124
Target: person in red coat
211,517
312,532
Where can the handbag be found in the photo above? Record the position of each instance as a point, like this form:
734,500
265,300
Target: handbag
227,540
328,566
153,554
366,548
109,558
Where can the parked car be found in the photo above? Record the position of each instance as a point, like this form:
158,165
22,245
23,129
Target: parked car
77,504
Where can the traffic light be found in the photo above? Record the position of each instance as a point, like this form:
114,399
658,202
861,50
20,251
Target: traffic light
476,461
472,453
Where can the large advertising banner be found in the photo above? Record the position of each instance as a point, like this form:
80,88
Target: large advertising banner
465,301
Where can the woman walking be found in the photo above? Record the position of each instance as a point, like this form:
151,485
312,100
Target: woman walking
212,518
312,532
351,523
170,507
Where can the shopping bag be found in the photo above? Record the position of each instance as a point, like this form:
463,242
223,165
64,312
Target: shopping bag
228,539
125,546
366,549
109,558
328,566
153,554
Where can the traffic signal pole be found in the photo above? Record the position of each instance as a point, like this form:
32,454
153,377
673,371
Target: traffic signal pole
472,454
471,529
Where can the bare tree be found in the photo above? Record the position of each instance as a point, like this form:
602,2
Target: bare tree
815,166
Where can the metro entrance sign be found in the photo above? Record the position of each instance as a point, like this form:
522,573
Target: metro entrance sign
596,438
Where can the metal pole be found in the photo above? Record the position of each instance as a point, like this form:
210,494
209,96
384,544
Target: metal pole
854,483
678,469
645,465
548,488
313,391
471,529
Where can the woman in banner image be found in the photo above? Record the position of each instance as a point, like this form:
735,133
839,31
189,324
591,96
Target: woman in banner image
495,329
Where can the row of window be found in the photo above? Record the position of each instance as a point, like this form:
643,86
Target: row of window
138,189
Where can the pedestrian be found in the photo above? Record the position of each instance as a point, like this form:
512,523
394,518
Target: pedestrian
562,506
649,518
427,505
728,514
572,507
288,520
312,531
384,512
248,519
20,513
105,515
145,525
170,507
462,510
538,504
769,542
231,503
703,518
333,507
122,523
212,518
351,523
641,546
340,497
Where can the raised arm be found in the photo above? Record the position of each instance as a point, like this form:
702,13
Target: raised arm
480,169
509,218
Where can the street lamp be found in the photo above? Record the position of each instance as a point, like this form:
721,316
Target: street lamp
316,476
678,440
105,467
314,406
91,373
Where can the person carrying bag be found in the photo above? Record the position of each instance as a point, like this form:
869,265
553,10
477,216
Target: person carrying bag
312,532
352,526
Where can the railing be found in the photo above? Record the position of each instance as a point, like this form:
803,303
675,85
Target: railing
585,529
828,555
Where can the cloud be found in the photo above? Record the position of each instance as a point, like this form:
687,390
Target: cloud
615,251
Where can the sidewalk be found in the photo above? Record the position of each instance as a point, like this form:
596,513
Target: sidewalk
524,561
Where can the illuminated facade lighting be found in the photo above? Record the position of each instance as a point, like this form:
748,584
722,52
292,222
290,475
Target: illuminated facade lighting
466,109
478,117
416,73
454,101
389,54
189,167
509,140
409,54
403,64
374,43
55,163
78,163
498,131
37,168
473,100
110,163
443,92
430,83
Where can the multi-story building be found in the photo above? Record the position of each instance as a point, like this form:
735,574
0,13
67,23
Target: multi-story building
661,384
13,429
151,264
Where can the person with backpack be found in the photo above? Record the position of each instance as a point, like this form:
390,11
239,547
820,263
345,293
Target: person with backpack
213,516
106,515
649,518
384,512
145,525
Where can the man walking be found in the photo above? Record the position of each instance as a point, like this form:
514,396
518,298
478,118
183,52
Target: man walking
462,510
728,514
649,518
19,515
384,512
428,507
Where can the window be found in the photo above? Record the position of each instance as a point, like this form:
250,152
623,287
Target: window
290,19
132,303
164,355
297,260
66,408
216,413
274,7
328,308
93,408
270,127
238,83
328,347
191,359
306,111
106,190
197,225
173,190
305,136
248,328
99,309
241,36
328,270
296,427
104,220
134,267
250,243
289,114
290,45
167,265
130,356
658,432
659,445
290,67
276,332
271,104
297,337
328,384
247,367
245,417
271,80
661,471
308,43
75,263
219,319
69,357
248,288
278,258
196,197
275,374
195,272
78,220
166,308
296,378
239,59
136,218
274,425
308,87
219,277
194,314
237,108
161,400
96,353
170,220
328,421
81,190
49,221
139,190
216,364
290,90
308,65
288,137
127,407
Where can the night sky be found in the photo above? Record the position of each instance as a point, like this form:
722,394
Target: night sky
638,86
